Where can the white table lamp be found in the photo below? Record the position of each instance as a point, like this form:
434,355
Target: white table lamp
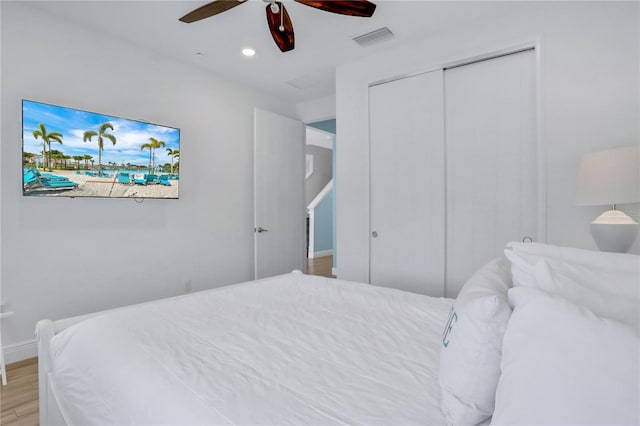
608,178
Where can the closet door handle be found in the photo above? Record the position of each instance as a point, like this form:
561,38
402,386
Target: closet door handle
374,234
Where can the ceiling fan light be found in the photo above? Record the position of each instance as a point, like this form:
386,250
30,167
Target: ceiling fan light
275,8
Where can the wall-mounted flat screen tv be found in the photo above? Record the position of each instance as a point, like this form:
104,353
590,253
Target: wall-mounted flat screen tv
73,153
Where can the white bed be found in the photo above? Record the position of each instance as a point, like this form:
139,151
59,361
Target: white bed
550,336
292,349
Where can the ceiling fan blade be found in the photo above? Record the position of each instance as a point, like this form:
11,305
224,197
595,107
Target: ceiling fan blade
210,9
281,27
362,8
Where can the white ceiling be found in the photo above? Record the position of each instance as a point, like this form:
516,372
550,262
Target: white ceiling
323,40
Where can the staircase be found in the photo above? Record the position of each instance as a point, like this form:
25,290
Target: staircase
317,214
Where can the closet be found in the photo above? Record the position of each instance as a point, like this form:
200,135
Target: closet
407,183
453,171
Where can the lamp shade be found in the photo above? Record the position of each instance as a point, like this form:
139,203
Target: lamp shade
609,177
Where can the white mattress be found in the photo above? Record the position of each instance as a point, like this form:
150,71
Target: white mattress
292,349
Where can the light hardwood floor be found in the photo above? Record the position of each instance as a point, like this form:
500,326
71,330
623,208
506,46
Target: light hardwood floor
19,398
320,266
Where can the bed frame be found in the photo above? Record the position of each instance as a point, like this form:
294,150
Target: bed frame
50,411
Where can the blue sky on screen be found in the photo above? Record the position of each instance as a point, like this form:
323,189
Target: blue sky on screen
72,123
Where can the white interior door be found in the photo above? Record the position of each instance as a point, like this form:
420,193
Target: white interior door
491,161
278,194
407,184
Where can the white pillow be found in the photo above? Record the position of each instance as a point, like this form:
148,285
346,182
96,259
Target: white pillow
611,292
563,365
593,268
597,259
521,268
472,345
606,294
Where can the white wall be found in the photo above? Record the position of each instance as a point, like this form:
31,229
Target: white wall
63,256
322,171
589,86
317,109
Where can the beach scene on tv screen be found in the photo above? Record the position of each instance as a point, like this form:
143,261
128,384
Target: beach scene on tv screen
75,153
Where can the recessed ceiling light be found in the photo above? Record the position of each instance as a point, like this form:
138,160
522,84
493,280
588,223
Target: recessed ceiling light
248,52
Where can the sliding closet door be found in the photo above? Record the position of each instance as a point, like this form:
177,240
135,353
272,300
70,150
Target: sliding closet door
491,161
407,184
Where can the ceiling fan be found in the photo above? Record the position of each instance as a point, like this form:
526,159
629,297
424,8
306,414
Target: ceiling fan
278,19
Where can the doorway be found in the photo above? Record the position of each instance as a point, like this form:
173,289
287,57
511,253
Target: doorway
320,198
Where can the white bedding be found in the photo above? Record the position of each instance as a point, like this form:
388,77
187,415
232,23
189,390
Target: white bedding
291,349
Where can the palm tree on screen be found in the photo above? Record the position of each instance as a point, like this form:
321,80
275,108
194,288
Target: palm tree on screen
47,138
176,155
152,145
101,136
56,156
147,146
86,159
172,153
78,159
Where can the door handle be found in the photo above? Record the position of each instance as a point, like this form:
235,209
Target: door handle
261,230
374,234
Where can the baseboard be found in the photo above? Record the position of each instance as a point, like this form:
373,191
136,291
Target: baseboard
19,351
321,253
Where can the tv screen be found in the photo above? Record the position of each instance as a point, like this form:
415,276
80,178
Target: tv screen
74,153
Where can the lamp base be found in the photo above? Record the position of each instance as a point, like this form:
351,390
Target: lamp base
614,231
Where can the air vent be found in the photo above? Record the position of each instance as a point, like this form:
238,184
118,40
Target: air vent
373,37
